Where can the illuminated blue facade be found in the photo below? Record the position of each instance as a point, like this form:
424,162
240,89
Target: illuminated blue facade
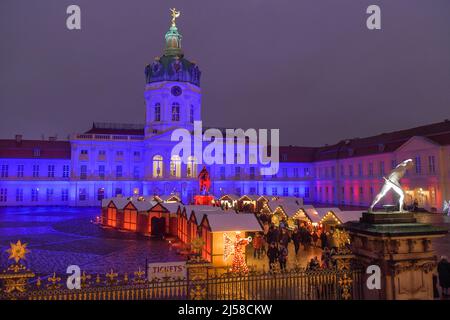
112,159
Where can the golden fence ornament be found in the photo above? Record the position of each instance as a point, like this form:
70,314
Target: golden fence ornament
203,282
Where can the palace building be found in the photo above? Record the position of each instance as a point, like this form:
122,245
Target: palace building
135,160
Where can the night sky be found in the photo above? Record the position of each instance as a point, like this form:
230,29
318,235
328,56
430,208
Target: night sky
308,67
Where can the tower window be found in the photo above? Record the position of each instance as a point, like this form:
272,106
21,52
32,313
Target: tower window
175,111
157,112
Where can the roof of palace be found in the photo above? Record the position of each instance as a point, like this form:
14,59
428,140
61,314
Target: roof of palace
116,128
34,149
357,147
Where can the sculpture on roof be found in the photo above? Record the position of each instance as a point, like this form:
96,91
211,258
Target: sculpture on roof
393,182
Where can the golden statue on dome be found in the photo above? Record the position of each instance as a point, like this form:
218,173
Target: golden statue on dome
175,14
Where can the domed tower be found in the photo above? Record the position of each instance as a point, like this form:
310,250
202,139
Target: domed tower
172,91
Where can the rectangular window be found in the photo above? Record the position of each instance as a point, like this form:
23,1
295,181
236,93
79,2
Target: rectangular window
118,192
306,192
342,171
51,171
20,170
137,154
49,194
264,191
285,172
83,172
157,112
222,173
431,164
64,194
136,172
4,171
333,172
252,190
295,172
19,195
101,172
82,194
36,152
360,169
34,194
84,151
100,194
285,191
119,172
274,191
306,172
381,168
3,194
296,192
238,191
350,170
370,169
175,112
237,172
252,173
65,171
102,153
418,165
119,153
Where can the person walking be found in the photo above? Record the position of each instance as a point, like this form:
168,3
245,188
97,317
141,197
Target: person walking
315,238
272,254
257,243
284,238
443,269
282,257
323,240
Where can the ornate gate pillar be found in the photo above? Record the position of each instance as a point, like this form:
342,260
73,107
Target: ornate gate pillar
402,248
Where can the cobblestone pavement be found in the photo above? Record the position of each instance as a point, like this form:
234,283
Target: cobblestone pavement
59,237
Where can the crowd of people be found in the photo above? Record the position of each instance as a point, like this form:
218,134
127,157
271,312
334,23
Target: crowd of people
274,241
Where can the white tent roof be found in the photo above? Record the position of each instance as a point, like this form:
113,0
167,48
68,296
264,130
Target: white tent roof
171,207
346,216
232,196
235,222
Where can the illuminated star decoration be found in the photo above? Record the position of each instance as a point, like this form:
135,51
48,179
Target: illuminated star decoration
17,251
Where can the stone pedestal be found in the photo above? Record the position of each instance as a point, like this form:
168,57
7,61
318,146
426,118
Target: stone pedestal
203,200
402,248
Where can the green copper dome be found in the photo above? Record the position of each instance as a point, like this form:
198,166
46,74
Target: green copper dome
172,66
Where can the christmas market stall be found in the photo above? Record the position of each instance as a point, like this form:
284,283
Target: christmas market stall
247,203
228,201
218,229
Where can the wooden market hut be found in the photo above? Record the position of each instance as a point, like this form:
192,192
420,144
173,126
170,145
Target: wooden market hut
192,227
247,203
213,228
182,225
260,203
228,200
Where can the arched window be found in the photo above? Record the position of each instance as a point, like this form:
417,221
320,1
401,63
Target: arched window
175,111
157,166
157,111
175,166
191,170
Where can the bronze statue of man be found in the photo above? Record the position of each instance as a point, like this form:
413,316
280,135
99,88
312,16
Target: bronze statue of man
393,182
